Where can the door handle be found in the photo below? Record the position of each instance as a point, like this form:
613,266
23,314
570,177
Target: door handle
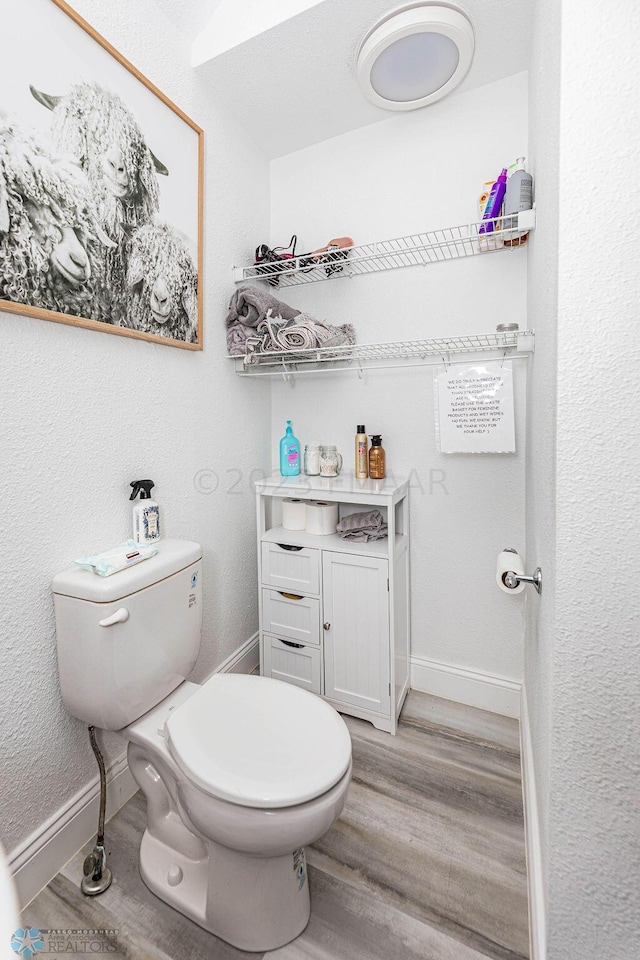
289,546
327,626
291,596
290,643
120,616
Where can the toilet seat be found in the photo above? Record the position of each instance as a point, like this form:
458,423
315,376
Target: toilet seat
235,739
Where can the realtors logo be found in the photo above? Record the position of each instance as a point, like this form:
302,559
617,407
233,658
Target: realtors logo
26,942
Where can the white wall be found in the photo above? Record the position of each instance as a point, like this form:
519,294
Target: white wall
83,413
582,671
414,172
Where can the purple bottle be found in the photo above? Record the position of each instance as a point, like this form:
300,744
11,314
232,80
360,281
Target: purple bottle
494,203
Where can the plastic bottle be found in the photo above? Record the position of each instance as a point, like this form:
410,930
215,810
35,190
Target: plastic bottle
494,204
377,458
146,514
289,454
362,443
518,196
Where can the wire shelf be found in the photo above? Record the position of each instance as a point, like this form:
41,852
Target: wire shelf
358,357
450,243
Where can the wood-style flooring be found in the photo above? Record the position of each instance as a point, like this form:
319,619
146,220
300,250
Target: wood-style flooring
427,861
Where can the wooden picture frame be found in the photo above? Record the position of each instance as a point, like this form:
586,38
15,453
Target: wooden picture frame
101,186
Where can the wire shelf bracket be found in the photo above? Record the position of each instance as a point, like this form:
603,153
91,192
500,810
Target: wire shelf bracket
435,246
507,345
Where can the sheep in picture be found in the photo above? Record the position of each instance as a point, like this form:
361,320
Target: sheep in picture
52,247
161,284
95,127
98,129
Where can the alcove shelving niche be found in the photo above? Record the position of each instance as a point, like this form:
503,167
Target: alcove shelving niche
436,246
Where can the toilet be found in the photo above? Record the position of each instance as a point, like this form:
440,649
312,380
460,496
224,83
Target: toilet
239,773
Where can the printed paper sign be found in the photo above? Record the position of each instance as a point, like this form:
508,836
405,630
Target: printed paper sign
475,409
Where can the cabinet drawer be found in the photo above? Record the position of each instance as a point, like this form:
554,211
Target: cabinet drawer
292,616
300,665
296,570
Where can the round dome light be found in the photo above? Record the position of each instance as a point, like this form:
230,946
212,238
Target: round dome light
415,56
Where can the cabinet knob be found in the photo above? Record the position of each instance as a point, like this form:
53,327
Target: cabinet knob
326,625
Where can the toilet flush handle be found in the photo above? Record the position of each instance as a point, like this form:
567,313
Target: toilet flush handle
119,616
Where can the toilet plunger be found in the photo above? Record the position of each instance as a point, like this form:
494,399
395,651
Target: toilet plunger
97,876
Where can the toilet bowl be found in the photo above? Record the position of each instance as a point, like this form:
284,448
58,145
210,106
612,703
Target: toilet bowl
239,775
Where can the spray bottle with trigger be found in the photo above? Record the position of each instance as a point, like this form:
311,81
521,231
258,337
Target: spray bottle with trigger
146,514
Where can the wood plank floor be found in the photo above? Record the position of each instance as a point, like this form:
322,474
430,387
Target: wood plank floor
427,861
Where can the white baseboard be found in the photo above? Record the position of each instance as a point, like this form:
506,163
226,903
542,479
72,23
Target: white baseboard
497,694
537,903
243,660
43,854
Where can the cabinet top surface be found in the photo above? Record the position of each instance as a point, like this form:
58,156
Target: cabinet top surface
344,488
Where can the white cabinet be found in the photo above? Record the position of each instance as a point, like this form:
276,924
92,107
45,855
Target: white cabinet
334,614
355,599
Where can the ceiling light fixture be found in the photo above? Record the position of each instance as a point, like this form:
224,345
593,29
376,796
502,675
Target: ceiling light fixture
415,56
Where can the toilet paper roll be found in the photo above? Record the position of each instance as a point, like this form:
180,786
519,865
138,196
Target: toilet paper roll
509,561
321,517
293,514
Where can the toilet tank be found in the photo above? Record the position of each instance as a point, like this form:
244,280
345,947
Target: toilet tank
113,673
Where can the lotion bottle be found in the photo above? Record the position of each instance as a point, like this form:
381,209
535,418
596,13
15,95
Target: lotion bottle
289,453
146,514
518,197
362,443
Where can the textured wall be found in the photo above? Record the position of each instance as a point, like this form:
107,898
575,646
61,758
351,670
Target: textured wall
84,413
410,173
594,835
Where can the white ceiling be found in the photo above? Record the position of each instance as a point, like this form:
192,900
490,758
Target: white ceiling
295,84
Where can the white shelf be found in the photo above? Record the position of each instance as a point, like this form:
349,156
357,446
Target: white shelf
434,246
510,344
345,488
334,542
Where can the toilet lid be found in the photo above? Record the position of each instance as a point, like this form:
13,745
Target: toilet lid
259,742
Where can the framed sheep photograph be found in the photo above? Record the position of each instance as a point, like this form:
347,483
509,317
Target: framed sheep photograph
101,182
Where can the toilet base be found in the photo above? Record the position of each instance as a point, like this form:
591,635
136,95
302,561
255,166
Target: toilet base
254,903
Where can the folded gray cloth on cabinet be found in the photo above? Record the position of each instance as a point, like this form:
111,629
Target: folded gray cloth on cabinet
362,527
250,306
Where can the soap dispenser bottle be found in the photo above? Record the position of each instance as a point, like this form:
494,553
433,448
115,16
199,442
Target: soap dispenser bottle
377,458
146,514
289,453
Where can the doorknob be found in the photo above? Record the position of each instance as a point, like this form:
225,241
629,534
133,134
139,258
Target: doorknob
327,626
119,616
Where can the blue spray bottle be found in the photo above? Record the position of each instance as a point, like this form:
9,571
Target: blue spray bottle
289,454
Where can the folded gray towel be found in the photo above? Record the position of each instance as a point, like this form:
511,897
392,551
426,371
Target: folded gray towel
237,336
362,527
250,306
302,333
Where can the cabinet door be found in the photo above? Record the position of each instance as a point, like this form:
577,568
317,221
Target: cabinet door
356,631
